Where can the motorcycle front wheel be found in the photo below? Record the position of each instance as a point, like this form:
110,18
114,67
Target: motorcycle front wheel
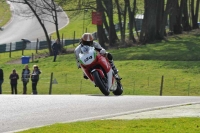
100,83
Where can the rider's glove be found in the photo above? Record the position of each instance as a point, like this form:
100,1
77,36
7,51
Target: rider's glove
102,52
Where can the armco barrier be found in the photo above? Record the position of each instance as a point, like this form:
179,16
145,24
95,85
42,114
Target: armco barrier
32,46
43,45
2,48
20,46
68,42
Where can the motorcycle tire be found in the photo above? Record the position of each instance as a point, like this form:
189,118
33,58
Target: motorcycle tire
119,89
100,83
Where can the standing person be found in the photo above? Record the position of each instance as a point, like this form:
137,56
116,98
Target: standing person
55,47
13,81
1,79
25,78
35,78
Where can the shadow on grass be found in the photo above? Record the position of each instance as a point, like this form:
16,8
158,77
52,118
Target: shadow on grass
181,50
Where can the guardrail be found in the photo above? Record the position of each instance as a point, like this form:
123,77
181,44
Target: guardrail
34,45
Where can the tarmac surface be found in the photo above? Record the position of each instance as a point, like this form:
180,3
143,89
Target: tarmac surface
190,110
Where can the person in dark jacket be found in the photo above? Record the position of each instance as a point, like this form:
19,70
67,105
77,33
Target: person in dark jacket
1,80
25,78
13,81
35,78
55,48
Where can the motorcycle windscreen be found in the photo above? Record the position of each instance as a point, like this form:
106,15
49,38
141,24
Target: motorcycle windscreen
88,58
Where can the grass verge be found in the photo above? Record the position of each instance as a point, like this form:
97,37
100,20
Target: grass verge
165,125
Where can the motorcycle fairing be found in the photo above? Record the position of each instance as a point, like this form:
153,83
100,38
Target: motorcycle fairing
112,84
86,59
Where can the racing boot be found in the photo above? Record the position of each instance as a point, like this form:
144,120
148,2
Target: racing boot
84,76
115,71
113,67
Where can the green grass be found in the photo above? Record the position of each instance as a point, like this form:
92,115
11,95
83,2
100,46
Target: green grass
141,68
5,13
165,125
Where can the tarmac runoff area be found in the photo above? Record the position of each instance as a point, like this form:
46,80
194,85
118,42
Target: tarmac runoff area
190,110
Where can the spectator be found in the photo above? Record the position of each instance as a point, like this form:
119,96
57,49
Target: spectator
13,81
35,78
1,80
25,78
55,47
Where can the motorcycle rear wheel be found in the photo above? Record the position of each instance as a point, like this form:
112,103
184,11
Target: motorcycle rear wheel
100,83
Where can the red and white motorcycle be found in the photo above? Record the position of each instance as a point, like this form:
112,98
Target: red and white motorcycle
97,68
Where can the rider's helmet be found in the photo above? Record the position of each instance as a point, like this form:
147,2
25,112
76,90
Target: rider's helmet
87,39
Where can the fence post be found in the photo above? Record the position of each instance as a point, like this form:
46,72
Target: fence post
23,45
50,88
80,86
37,46
10,49
32,57
161,86
133,87
62,41
74,38
189,89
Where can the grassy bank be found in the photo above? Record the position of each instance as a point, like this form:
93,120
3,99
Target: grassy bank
141,68
5,13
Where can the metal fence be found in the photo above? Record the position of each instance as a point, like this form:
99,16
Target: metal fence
33,45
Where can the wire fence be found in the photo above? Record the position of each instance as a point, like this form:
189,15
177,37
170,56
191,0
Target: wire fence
68,83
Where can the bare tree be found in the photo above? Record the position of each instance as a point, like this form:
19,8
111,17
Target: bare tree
44,11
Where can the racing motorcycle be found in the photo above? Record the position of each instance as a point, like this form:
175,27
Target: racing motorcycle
98,69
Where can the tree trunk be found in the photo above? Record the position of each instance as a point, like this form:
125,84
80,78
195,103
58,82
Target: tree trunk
131,20
148,32
120,19
185,18
112,32
194,14
160,20
100,31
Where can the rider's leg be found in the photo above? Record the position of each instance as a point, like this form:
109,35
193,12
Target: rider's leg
110,58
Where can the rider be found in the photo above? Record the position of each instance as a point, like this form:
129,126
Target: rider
87,39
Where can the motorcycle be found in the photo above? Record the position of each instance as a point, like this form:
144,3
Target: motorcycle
97,68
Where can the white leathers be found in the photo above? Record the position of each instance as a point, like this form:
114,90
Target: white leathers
78,50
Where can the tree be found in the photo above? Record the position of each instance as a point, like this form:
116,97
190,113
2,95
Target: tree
131,19
195,14
185,17
148,32
100,31
111,29
44,11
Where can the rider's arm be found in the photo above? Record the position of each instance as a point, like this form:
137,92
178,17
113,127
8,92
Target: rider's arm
76,52
97,46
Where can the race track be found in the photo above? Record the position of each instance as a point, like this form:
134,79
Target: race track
27,111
